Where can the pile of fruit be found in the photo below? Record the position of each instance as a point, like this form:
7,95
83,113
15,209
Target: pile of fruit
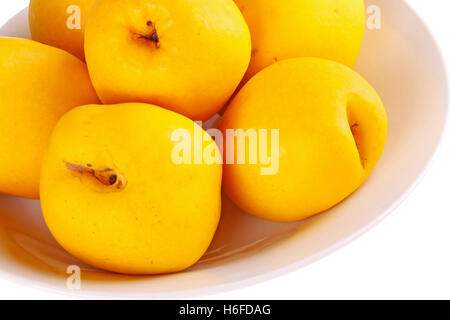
102,115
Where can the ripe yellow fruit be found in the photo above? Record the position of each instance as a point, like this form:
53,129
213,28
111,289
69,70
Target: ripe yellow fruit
38,84
332,131
284,29
186,56
60,23
113,196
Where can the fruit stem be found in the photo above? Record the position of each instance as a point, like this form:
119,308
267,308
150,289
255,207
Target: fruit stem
155,38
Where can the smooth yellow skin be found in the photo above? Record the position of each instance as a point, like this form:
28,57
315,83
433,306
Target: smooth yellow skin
333,129
165,216
283,29
55,22
203,52
38,84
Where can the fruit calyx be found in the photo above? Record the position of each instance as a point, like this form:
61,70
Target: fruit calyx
153,36
106,176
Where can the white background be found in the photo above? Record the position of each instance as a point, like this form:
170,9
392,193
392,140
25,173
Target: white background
407,256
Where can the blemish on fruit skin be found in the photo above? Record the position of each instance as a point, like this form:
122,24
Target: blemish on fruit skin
108,177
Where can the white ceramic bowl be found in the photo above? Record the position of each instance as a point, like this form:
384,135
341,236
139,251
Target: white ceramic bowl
403,63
